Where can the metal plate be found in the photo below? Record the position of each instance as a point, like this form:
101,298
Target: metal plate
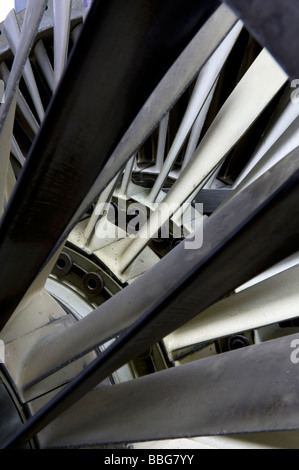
275,25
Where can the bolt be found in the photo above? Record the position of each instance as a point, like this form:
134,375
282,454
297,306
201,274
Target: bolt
63,264
237,342
93,283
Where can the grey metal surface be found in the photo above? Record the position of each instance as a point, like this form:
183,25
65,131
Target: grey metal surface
212,198
275,25
254,389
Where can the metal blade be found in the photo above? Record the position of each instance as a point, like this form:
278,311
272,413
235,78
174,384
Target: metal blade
254,389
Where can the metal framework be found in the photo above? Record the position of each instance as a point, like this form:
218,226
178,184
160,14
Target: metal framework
98,118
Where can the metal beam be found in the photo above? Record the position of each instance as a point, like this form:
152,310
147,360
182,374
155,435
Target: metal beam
274,24
254,389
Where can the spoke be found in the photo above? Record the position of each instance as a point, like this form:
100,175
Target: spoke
103,200
62,14
284,145
44,63
282,124
274,239
217,396
16,151
14,37
163,129
127,176
197,127
5,147
269,302
21,102
204,84
253,93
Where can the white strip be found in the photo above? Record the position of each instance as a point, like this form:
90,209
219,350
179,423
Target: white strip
21,102
44,63
271,301
284,145
62,14
5,145
197,128
278,127
204,84
103,199
13,34
163,130
16,151
127,176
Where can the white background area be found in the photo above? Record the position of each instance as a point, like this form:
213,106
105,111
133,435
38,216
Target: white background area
5,7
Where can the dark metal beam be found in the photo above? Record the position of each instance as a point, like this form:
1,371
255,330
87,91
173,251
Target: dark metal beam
253,389
274,24
256,228
114,67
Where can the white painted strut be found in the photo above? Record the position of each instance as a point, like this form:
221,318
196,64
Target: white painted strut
253,93
44,63
12,31
204,84
62,14
271,301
